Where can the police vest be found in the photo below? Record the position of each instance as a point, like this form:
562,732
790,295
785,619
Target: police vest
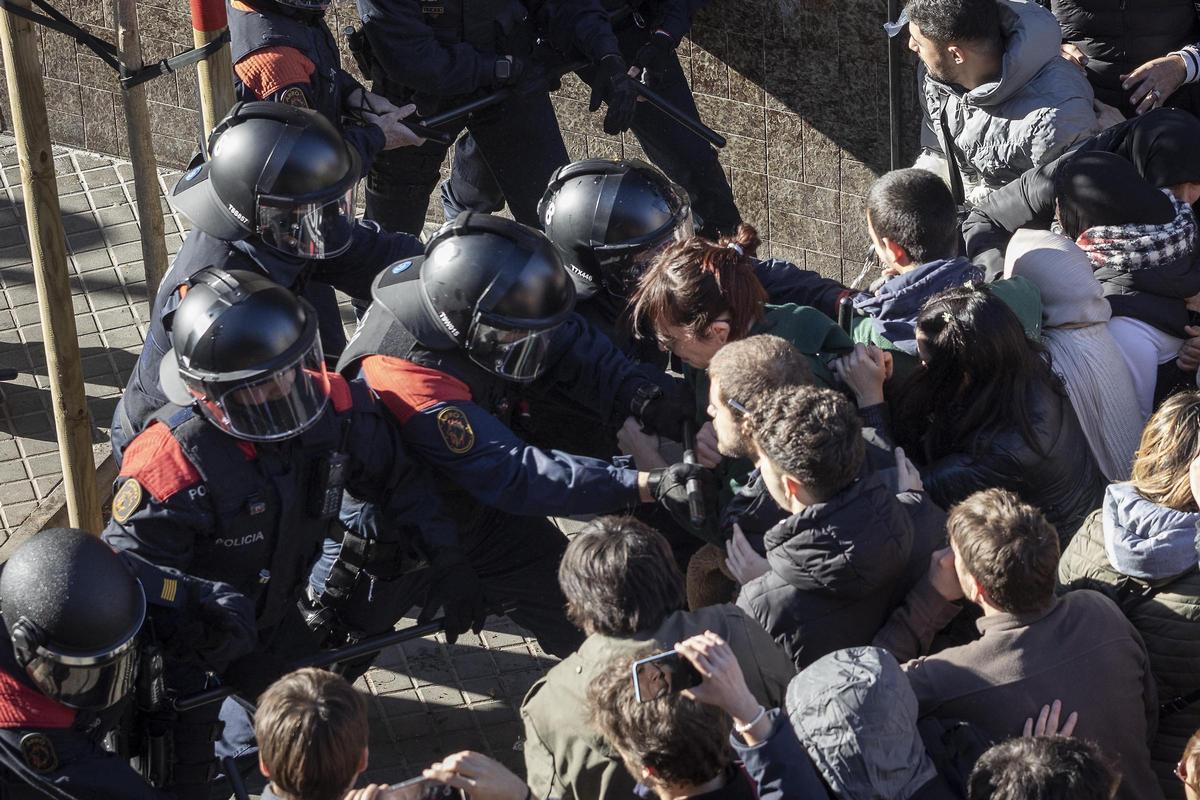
265,536
380,333
490,26
250,31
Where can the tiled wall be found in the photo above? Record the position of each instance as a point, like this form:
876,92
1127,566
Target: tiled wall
799,87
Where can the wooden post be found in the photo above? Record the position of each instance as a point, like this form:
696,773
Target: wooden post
141,150
215,73
72,423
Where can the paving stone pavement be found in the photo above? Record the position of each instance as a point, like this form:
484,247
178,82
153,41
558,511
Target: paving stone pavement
428,698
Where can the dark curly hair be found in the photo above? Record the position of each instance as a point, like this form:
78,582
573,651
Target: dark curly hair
814,435
1043,768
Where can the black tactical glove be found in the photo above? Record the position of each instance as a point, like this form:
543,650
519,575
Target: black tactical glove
668,486
455,587
613,85
662,412
507,70
652,56
251,675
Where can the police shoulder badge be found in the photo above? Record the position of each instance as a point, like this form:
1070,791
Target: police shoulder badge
127,500
38,752
455,429
294,97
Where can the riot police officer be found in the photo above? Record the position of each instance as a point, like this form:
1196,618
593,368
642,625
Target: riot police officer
283,51
277,198
452,345
72,659
439,55
245,479
648,33
609,219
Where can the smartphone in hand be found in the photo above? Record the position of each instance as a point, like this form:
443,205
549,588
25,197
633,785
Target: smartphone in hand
659,675
421,789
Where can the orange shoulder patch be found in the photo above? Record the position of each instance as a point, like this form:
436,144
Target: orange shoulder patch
408,389
267,71
158,463
339,393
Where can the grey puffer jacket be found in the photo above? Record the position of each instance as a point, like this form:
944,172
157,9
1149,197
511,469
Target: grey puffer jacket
1144,556
1039,108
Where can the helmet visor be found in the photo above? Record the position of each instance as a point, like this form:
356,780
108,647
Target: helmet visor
308,230
272,407
516,354
93,684
620,272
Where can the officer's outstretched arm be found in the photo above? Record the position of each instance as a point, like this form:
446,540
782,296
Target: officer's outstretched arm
162,528
371,251
478,452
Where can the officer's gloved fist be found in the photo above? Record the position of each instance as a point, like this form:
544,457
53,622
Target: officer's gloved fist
653,56
508,70
455,587
668,487
251,675
614,86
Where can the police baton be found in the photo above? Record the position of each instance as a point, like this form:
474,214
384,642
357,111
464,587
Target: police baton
695,494
236,784
473,107
372,644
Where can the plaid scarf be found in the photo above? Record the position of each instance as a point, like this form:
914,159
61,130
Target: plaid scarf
1132,247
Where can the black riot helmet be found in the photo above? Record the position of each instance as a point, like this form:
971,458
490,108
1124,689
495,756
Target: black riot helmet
279,172
489,286
73,610
246,352
610,218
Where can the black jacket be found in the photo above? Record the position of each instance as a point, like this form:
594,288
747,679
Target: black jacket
837,570
1118,36
1028,202
1065,482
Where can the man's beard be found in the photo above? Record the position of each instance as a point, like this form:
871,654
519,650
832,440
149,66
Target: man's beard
742,448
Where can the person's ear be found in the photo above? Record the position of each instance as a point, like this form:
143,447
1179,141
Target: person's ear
720,330
897,254
262,767
362,761
793,489
957,54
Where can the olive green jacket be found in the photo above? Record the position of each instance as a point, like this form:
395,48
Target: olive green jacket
566,759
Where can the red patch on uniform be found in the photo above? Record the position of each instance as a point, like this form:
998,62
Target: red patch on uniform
408,389
272,69
23,706
155,458
339,393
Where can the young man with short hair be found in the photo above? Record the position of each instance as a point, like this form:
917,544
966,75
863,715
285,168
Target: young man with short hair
838,565
311,728
913,225
1078,648
998,94
1045,767
673,745
623,590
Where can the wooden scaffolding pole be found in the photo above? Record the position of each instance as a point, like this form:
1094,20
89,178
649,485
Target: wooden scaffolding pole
141,150
72,423
215,73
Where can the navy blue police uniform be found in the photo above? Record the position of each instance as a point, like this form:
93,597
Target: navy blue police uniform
50,749
441,54
455,416
289,55
194,498
352,272
685,158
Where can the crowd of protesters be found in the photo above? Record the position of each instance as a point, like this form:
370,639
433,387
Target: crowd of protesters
949,535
